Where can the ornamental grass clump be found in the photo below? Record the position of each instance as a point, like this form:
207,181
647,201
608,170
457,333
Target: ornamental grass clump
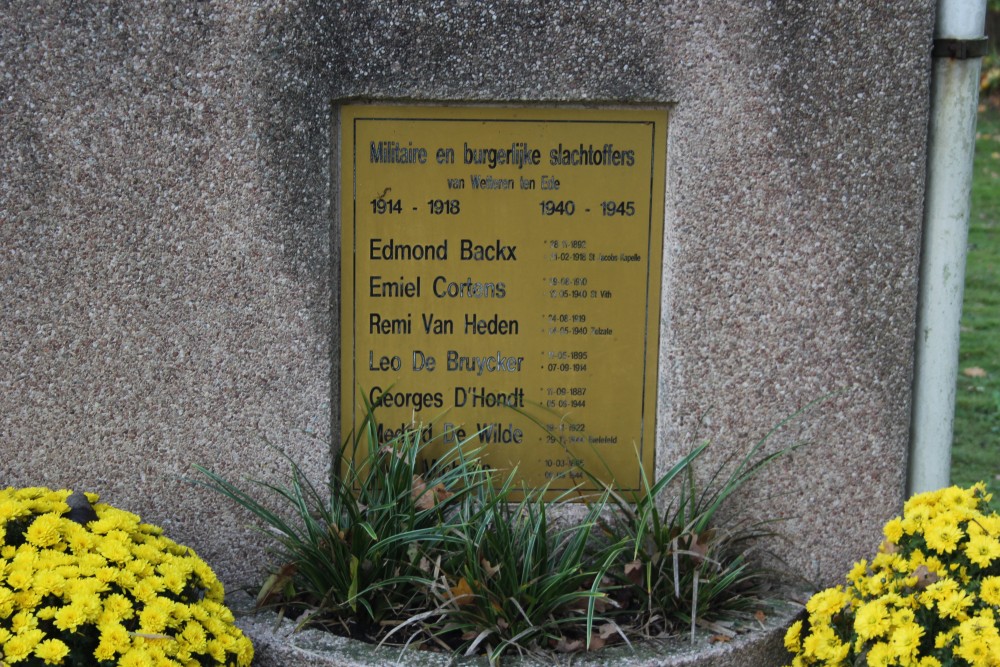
422,549
929,598
523,579
682,566
354,555
84,584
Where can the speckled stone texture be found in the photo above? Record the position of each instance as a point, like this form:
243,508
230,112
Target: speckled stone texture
167,280
278,644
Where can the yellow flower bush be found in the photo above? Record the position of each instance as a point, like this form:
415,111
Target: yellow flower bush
106,590
929,598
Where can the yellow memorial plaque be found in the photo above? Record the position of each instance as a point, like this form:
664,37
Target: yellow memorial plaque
500,283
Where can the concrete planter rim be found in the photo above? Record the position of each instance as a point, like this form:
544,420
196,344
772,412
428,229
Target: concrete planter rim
277,644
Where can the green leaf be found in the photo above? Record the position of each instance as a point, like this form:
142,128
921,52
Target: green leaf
352,592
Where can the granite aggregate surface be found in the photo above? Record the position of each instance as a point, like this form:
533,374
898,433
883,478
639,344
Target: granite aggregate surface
168,278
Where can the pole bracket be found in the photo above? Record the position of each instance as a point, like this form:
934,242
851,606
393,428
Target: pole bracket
960,49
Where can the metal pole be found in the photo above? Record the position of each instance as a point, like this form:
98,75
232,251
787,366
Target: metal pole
958,49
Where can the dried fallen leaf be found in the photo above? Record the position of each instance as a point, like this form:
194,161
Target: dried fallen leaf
277,584
924,577
633,571
597,643
425,498
422,499
601,603
568,645
974,372
700,544
605,630
489,568
719,638
441,493
461,593
888,547
390,450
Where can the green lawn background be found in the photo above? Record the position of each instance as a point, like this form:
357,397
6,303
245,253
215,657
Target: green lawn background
976,448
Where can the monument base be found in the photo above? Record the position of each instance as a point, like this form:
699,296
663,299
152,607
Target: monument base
276,644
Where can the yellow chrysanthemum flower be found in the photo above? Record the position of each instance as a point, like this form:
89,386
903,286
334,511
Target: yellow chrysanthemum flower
116,636
974,651
153,618
46,613
20,646
982,549
67,575
793,637
989,590
942,639
827,603
872,620
943,536
925,580
23,621
119,605
914,519
955,604
193,636
6,602
10,509
87,593
218,610
981,627
215,649
44,531
905,641
78,538
174,580
114,550
902,616
52,651
90,563
105,523
880,655
20,578
893,530
245,655
147,589
858,572
957,498
922,500
829,648
70,617
135,657
140,567
28,599
48,582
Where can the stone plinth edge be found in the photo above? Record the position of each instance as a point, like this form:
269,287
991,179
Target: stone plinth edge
276,644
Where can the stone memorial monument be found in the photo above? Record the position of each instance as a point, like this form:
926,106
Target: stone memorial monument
651,223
